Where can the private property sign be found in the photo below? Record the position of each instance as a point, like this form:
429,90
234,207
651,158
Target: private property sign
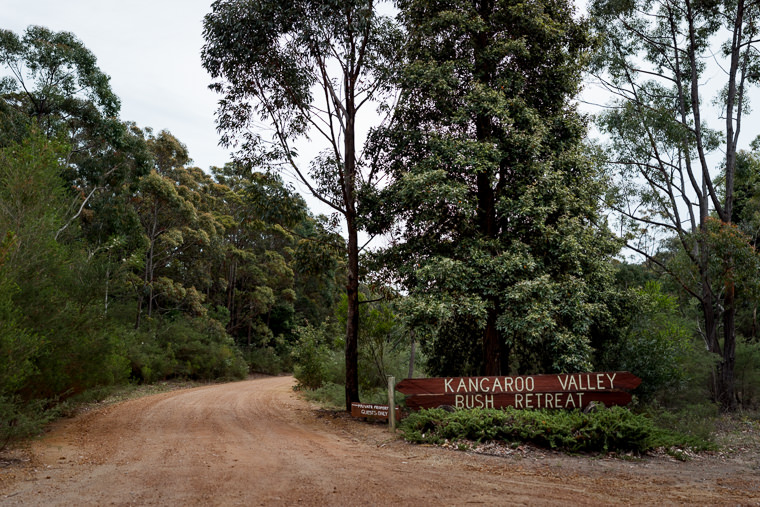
575,390
372,411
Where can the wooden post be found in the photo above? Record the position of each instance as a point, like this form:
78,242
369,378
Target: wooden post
392,403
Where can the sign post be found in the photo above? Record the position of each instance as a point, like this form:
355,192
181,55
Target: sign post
392,403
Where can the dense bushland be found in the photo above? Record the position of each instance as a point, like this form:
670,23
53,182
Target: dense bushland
119,261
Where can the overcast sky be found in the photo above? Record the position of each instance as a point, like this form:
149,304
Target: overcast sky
151,50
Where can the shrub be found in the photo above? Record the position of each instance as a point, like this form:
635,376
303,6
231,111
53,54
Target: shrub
264,360
193,348
311,356
20,419
19,346
616,429
747,373
654,345
329,394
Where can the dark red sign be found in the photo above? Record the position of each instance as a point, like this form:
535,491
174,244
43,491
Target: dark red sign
372,411
566,390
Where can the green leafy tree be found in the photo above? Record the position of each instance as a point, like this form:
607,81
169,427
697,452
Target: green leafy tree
319,267
303,68
52,84
257,286
747,218
56,86
55,80
667,154
52,288
175,230
492,201
278,265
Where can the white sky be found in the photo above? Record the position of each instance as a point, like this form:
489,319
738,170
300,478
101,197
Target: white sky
151,50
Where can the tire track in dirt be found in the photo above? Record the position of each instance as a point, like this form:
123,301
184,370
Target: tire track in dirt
256,443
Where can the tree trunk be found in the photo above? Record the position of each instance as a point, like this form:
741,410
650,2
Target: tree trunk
484,72
352,285
726,395
711,324
491,346
412,354
352,317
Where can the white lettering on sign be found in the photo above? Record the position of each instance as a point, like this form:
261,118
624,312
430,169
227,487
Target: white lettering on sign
366,406
488,385
473,401
548,400
587,381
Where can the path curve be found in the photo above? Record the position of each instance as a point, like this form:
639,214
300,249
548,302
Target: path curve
256,443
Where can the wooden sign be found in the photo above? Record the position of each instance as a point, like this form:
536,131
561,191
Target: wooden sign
371,411
562,382
537,400
575,390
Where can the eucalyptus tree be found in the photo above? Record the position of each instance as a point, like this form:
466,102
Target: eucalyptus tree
492,200
176,227
290,72
51,82
53,78
680,74
258,212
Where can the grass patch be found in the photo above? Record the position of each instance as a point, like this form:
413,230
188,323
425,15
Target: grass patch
333,396
693,426
329,395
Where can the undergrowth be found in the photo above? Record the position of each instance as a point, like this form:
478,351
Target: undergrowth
332,395
609,430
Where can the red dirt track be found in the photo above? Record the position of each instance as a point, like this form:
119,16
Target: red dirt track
256,443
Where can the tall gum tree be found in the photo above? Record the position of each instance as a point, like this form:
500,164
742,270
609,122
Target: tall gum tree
674,158
492,200
303,70
50,81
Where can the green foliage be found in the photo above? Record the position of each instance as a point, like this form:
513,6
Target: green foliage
748,374
383,350
607,430
330,395
384,345
692,424
500,248
654,344
189,348
266,360
20,347
276,264
58,89
56,77
313,356
21,419
48,289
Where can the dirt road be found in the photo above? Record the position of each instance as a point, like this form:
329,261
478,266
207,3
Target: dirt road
256,443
